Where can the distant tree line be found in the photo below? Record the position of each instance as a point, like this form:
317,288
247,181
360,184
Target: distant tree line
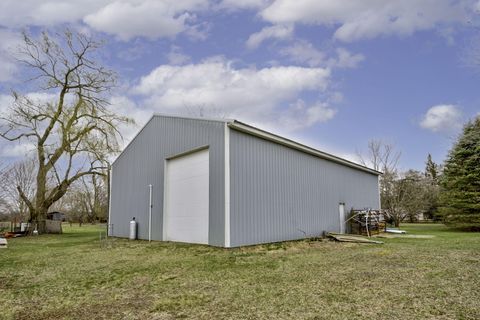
406,195
86,200
448,193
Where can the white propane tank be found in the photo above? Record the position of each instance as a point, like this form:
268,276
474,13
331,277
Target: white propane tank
133,229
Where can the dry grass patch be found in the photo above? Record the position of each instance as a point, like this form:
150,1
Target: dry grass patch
74,276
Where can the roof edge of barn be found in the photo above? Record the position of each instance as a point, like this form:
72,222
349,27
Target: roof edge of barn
249,129
133,139
246,128
166,116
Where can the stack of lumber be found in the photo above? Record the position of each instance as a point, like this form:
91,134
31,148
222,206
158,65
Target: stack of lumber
350,238
366,222
8,235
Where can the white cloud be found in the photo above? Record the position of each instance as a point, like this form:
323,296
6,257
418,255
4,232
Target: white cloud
300,116
199,31
8,43
7,69
232,5
148,18
176,57
345,59
17,149
6,100
254,95
125,19
15,13
124,106
154,19
356,20
5,103
448,33
280,32
10,149
45,97
304,52
442,118
135,51
470,55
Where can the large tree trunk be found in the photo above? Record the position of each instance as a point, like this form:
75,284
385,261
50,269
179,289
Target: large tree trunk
396,222
37,220
41,217
411,218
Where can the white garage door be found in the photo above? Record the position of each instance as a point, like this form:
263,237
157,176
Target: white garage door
186,196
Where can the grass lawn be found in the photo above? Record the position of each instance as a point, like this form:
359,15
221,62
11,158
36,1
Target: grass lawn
72,276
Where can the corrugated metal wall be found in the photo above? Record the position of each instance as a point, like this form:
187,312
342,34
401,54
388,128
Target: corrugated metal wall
278,193
142,163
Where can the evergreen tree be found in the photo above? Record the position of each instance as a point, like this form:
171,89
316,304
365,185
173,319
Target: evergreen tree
431,169
460,195
431,188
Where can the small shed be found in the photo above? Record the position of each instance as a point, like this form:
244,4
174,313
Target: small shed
225,183
56,216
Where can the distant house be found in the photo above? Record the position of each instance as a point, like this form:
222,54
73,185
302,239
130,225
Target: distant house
228,184
56,216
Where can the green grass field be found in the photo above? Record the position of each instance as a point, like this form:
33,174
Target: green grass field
75,276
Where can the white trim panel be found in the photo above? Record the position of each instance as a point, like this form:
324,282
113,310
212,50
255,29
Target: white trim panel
341,213
109,223
165,196
227,186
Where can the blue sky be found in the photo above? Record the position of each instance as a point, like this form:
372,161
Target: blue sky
331,74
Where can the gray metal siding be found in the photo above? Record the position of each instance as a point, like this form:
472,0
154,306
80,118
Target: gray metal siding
278,193
142,163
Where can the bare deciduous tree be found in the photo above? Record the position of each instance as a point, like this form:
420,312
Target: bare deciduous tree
422,194
19,175
205,111
381,156
72,129
92,197
402,195
3,202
